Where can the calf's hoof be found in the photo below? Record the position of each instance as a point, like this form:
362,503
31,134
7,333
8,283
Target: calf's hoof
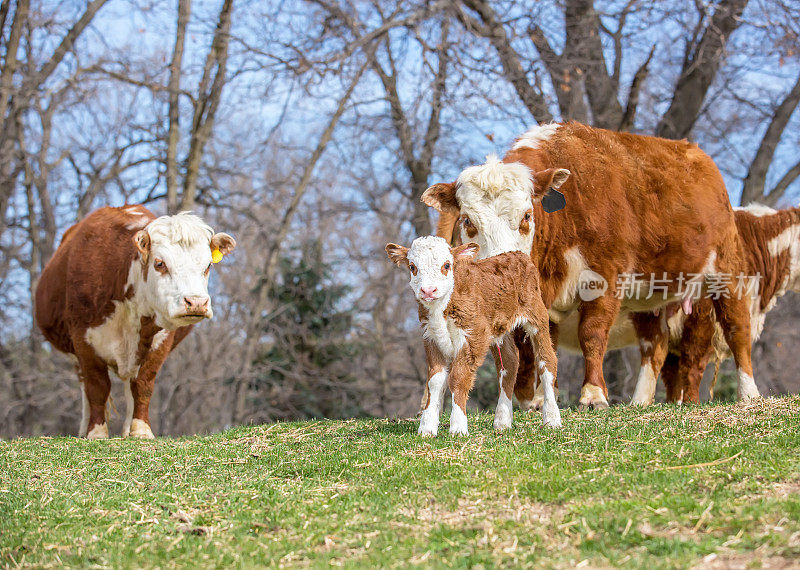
427,431
458,430
551,417
502,424
532,405
140,430
100,431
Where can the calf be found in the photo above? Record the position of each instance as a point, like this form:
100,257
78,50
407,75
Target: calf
635,206
121,291
464,307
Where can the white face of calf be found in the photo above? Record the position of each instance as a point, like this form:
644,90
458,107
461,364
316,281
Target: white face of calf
176,257
495,203
430,261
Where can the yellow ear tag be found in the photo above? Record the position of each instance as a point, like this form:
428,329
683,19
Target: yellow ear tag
216,256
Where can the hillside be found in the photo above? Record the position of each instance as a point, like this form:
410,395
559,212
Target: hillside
717,485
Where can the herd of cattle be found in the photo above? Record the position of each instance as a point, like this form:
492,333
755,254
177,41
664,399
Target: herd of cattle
681,273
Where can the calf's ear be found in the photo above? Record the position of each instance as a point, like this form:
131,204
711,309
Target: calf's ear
223,242
466,251
397,254
142,242
441,197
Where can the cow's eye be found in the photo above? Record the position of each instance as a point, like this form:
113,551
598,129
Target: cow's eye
467,223
207,269
446,266
412,268
527,217
159,266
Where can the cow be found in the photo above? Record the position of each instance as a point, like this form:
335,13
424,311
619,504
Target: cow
636,207
771,255
121,291
465,306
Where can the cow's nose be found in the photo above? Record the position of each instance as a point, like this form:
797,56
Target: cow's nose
198,304
428,291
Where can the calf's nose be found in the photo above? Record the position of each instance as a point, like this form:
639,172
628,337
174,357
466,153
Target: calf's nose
429,291
196,304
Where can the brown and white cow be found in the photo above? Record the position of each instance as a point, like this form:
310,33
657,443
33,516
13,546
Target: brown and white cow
121,291
635,205
771,255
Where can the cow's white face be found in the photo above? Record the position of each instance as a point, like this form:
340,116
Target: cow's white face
495,203
176,257
430,261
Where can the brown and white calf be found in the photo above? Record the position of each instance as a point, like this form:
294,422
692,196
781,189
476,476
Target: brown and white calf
121,291
635,205
771,254
464,307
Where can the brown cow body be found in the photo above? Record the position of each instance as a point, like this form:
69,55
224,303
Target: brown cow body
93,301
771,251
635,205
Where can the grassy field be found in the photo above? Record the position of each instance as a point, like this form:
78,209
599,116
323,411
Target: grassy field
713,485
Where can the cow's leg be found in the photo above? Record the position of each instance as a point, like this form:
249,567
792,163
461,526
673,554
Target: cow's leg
434,389
141,387
733,314
696,349
506,367
538,332
596,318
96,386
653,345
460,380
535,403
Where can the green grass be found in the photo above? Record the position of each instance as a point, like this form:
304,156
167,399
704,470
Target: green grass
662,487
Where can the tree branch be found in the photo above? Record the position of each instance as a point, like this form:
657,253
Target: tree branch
756,178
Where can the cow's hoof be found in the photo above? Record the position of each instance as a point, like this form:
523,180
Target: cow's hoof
100,431
140,430
592,396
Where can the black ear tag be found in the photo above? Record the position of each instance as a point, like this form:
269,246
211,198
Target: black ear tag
553,201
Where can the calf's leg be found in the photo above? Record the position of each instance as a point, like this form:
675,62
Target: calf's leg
460,380
434,389
529,362
506,378
538,331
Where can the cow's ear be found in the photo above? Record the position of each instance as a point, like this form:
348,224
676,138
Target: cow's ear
441,197
142,242
544,180
397,254
466,251
223,242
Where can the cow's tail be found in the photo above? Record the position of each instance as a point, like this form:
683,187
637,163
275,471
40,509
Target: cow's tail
445,228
